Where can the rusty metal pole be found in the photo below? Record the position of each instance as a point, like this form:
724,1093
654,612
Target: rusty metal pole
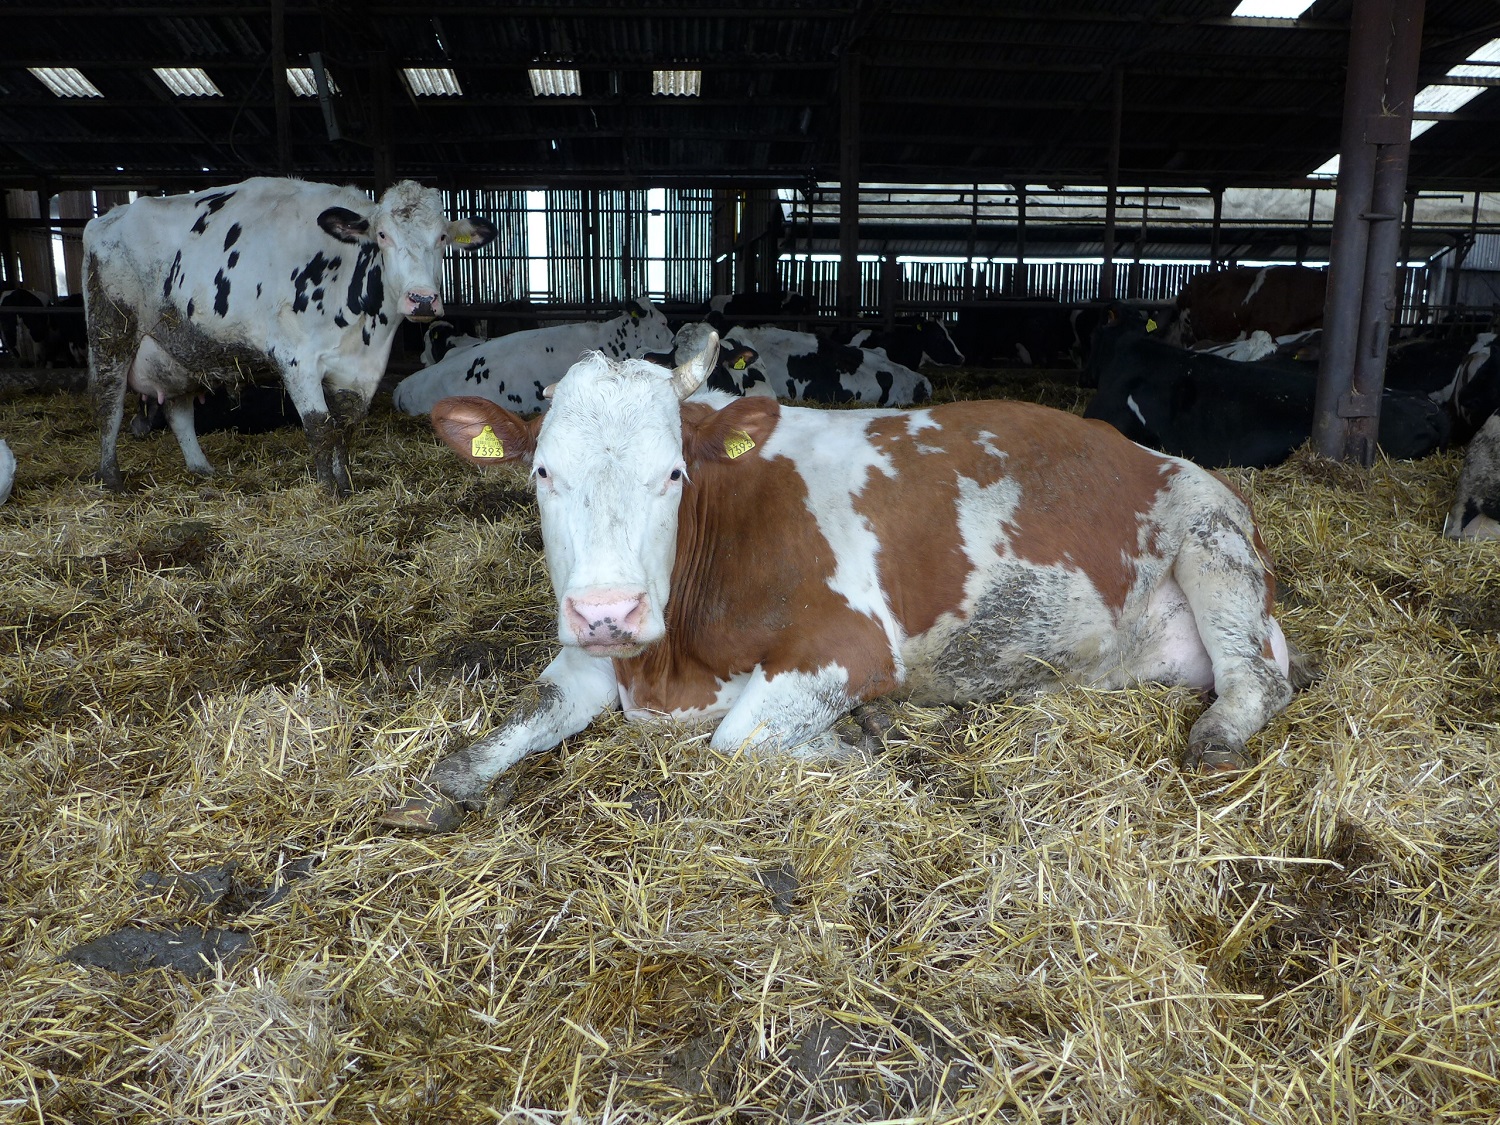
1364,84
280,94
1379,302
1107,268
1023,283
1215,243
849,287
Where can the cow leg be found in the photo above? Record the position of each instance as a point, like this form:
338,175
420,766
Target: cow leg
323,427
790,711
109,402
570,692
1224,580
112,345
180,418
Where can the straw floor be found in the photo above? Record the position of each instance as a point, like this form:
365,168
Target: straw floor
1021,912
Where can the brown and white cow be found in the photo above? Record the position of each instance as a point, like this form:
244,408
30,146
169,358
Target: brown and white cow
768,568
1230,304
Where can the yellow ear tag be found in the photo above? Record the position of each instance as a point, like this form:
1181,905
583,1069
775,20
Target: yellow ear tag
737,443
739,364
486,444
1150,325
463,239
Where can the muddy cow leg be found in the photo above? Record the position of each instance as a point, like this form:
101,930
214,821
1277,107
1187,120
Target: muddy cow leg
180,418
112,345
346,409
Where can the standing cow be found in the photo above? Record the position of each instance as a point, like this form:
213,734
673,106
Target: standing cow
768,568
515,370
264,280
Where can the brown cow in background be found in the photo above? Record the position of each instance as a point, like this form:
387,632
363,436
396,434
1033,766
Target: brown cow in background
1230,304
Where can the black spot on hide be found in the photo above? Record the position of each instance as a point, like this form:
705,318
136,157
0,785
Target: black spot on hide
166,288
233,236
234,259
366,290
221,294
311,275
211,205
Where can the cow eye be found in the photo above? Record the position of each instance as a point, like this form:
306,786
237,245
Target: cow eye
541,472
676,474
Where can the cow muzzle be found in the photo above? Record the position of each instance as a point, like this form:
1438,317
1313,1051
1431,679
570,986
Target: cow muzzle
607,622
421,306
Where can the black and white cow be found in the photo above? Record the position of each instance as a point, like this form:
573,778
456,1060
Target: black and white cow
514,370
7,471
1476,508
1034,331
266,280
912,341
244,409
752,310
801,367
1218,412
1472,394
444,336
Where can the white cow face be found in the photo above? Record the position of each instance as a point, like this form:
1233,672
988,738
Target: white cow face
401,243
607,461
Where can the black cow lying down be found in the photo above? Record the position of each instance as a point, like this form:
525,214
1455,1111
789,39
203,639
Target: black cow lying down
1218,412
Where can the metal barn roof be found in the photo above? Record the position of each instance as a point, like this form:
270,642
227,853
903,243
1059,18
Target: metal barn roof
947,93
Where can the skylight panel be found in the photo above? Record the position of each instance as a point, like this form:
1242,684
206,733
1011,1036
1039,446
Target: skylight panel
432,81
1475,66
1327,170
554,83
66,81
304,84
187,82
1438,98
677,83
1272,9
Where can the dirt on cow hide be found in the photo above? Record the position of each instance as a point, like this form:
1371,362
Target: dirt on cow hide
1020,911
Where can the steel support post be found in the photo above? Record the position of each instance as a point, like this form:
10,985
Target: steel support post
849,294
279,89
1384,45
1023,283
1107,269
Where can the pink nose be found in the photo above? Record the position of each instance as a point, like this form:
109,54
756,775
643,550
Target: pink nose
608,617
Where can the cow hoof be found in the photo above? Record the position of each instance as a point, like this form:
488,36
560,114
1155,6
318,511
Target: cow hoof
424,814
114,481
1214,759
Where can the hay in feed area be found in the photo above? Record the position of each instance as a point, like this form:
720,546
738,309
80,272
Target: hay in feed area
1017,912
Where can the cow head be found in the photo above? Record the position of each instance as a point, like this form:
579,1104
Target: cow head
649,325
610,461
937,345
409,232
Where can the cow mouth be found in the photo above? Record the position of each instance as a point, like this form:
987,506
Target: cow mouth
420,318
614,651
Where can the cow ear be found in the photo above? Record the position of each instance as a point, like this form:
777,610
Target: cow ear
345,225
729,434
471,233
738,358
480,431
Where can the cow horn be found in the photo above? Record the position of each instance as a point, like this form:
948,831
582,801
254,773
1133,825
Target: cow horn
701,344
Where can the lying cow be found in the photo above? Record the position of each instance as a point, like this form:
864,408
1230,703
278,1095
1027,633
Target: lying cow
247,409
799,366
1227,304
7,471
912,341
1217,412
768,568
1476,508
444,336
268,280
514,370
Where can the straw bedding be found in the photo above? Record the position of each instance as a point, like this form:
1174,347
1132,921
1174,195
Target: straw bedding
1019,912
